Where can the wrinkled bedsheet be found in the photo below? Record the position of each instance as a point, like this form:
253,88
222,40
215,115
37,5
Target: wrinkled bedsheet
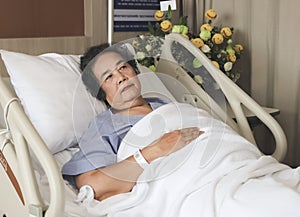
218,174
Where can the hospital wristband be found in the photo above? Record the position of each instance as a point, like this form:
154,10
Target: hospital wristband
139,158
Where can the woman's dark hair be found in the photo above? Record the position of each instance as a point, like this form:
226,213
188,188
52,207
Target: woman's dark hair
88,59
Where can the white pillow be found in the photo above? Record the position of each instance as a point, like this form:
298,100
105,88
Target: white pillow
53,96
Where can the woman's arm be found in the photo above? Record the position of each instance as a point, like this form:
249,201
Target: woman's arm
121,177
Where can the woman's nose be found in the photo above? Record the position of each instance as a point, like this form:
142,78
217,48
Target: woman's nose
120,77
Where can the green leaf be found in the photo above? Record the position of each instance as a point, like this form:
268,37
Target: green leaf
182,20
169,13
150,27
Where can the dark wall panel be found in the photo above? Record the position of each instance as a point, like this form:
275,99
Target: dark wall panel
41,18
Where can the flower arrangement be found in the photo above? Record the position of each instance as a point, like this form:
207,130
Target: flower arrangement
148,50
214,41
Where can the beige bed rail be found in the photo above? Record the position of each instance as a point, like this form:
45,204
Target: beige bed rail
25,139
238,100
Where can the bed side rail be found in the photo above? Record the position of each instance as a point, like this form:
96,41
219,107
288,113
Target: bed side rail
25,138
236,97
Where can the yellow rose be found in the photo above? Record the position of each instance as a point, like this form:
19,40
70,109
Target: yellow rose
238,48
198,42
218,38
206,26
231,57
211,14
226,32
159,15
216,64
166,25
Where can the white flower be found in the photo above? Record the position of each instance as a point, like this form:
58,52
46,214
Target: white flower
205,48
198,79
148,47
228,66
216,86
140,55
135,43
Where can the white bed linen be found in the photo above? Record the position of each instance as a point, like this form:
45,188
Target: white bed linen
219,174
72,208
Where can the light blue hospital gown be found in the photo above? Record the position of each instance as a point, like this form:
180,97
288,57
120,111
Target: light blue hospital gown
100,143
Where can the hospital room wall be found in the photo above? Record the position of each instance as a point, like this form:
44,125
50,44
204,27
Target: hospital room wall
269,31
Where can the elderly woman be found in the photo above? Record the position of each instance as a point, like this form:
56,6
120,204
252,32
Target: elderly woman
218,173
110,74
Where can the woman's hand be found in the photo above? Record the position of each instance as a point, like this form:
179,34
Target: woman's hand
170,142
121,177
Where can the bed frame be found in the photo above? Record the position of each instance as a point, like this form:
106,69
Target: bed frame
22,197
238,103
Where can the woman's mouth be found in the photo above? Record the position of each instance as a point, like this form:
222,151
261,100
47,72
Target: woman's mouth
126,87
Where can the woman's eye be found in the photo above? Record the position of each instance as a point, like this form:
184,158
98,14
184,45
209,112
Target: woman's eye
123,67
108,77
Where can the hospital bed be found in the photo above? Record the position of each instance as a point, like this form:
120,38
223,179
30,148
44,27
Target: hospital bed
31,182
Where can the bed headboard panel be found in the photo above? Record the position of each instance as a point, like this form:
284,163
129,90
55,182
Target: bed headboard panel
95,25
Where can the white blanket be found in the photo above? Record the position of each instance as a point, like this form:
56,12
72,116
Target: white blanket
218,174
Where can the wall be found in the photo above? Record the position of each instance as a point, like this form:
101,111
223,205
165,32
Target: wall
94,29
41,18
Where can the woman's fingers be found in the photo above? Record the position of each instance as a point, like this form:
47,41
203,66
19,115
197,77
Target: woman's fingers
185,136
189,134
177,139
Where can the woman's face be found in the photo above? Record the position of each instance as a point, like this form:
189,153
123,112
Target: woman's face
117,79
